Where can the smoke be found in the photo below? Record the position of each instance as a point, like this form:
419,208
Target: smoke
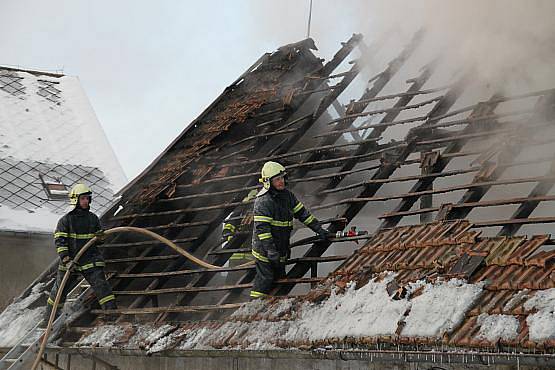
510,43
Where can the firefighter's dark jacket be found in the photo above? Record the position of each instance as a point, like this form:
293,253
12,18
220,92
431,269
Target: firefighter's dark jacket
233,223
73,231
273,222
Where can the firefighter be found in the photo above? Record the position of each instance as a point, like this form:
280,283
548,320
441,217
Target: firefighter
238,221
274,209
73,231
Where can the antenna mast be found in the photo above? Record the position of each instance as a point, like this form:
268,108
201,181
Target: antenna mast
309,19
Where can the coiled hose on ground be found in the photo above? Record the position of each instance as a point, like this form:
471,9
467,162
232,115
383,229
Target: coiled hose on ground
91,242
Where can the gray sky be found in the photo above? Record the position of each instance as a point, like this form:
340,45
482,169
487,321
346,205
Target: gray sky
150,67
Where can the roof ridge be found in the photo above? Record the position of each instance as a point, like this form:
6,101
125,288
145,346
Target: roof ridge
35,72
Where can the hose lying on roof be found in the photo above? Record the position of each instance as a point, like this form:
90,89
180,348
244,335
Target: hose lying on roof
91,242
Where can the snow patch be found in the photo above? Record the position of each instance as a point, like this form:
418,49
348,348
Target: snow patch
249,309
515,300
147,334
18,318
495,327
160,339
541,324
440,308
65,132
39,220
160,345
368,311
102,336
159,333
365,312
264,334
282,308
196,339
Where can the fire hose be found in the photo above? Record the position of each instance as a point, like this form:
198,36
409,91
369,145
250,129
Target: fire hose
338,237
91,242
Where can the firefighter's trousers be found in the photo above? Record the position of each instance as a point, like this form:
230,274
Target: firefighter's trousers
266,274
95,277
233,277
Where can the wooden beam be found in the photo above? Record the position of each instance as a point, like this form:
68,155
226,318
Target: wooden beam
180,272
387,110
321,148
143,259
208,289
417,194
145,243
403,179
514,221
158,310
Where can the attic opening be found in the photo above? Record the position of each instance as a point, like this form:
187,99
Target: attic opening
55,189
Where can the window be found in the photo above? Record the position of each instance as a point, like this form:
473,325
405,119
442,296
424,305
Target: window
54,188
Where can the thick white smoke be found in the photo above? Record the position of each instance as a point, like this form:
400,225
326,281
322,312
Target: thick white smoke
511,42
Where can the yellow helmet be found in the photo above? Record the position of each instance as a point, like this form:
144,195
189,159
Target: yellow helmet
269,171
76,191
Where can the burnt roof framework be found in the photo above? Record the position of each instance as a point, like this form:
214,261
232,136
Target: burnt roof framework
281,151
217,181
454,164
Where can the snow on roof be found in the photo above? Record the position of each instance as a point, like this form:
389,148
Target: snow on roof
495,327
406,285
48,118
41,220
33,194
542,323
21,316
355,313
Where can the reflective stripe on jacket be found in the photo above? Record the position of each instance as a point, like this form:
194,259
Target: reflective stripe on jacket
273,221
232,224
73,231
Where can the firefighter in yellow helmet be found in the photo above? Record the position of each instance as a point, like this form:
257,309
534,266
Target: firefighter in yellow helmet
274,209
73,231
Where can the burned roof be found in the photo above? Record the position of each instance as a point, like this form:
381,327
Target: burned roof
271,83
429,284
453,183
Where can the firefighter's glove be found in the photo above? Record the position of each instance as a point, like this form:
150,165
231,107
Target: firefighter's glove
273,257
323,234
66,261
